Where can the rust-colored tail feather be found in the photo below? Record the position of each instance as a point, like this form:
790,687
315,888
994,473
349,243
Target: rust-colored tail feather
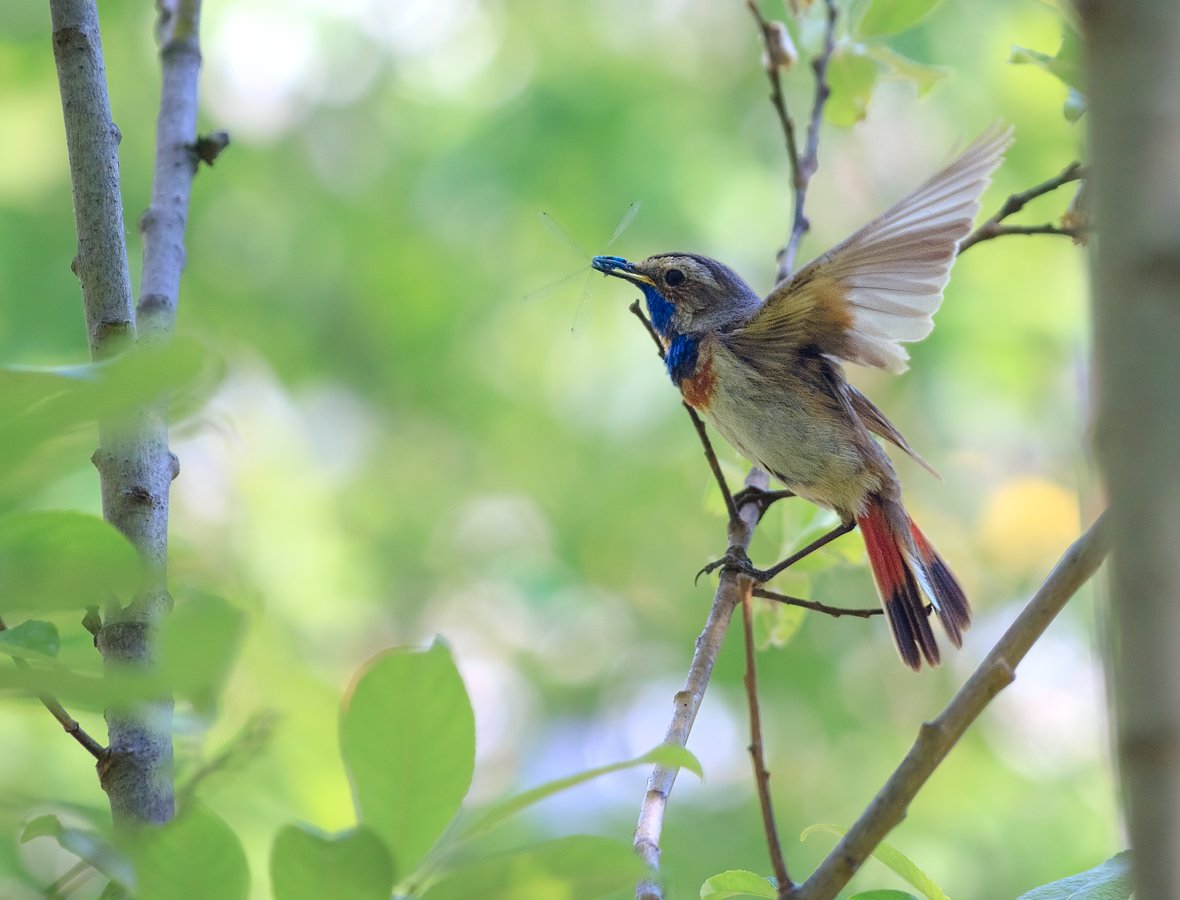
905,566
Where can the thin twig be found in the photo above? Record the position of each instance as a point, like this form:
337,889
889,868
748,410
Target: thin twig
246,745
761,777
697,423
834,611
936,739
163,223
804,166
730,591
743,520
777,100
67,722
993,228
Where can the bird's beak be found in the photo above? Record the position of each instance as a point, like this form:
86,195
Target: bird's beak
620,268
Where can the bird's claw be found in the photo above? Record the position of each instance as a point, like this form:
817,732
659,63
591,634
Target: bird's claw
735,561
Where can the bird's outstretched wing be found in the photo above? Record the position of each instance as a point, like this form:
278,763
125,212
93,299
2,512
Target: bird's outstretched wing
880,287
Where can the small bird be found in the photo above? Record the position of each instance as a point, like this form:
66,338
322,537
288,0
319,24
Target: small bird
767,375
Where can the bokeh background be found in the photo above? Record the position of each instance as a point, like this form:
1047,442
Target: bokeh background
413,438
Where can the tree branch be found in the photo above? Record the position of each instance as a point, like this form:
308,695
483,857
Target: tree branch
93,144
777,100
67,722
993,228
936,739
697,423
803,166
834,611
1133,135
134,463
163,223
757,759
730,589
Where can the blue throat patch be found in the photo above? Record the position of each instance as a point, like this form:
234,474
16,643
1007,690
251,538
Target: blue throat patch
681,357
659,309
681,354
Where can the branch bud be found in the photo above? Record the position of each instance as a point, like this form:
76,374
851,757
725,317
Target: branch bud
780,50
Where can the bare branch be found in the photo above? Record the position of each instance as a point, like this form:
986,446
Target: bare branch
93,143
697,423
808,163
993,228
163,223
134,463
67,722
731,587
936,739
761,777
777,100
834,611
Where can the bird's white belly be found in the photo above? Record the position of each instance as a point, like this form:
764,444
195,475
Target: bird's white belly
813,457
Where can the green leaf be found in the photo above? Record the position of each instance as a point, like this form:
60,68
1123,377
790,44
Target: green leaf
803,524
194,857
1109,881
306,864
52,403
738,883
882,17
23,387
86,845
786,624
1066,66
200,641
667,755
572,868
896,65
407,735
893,858
852,76
94,691
883,894
41,826
31,638
63,560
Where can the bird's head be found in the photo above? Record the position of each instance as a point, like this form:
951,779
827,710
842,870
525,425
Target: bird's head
686,293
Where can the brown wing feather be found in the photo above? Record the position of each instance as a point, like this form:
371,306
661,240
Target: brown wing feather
881,286
874,420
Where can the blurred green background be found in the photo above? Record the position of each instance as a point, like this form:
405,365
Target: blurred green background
411,439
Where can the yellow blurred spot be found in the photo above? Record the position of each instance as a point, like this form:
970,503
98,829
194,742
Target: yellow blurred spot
1028,522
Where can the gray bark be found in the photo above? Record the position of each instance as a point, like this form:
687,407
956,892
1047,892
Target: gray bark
134,463
1133,67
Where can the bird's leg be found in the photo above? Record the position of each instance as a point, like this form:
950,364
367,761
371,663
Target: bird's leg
741,563
767,574
765,499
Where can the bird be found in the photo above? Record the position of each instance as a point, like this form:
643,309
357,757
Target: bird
767,374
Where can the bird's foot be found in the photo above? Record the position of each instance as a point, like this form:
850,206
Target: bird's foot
763,498
735,560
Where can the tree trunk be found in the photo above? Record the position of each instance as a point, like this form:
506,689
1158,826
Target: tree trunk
1133,67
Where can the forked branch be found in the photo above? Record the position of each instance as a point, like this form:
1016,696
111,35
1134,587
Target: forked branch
935,739
995,227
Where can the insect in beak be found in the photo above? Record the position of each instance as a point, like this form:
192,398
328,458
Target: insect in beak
620,268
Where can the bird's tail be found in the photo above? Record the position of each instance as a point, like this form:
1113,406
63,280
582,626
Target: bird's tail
906,567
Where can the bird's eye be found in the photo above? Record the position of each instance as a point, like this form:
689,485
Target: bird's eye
673,277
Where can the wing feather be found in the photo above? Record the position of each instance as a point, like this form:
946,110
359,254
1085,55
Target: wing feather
880,287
